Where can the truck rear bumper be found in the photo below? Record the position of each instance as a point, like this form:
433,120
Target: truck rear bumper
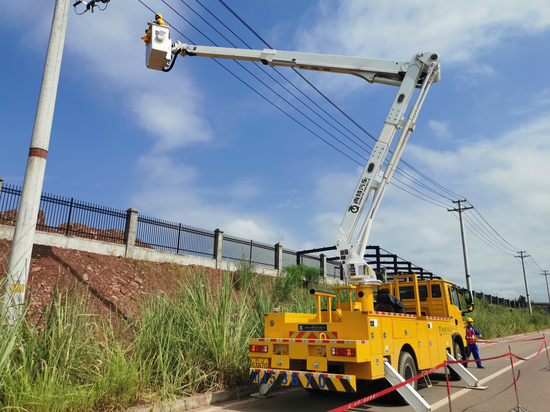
309,380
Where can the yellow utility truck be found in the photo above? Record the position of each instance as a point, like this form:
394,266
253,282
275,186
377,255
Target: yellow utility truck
352,339
412,325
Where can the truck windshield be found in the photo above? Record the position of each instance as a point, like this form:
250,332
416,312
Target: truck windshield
456,299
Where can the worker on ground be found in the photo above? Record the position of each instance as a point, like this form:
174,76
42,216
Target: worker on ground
471,334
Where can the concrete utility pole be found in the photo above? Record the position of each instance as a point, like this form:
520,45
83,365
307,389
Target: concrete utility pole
21,252
464,251
523,255
545,274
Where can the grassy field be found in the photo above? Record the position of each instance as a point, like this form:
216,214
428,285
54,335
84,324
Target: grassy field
189,341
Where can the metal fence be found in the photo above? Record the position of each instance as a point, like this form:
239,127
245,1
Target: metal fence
236,249
174,237
73,217
67,216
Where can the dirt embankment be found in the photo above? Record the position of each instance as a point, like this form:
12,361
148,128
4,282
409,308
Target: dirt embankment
113,283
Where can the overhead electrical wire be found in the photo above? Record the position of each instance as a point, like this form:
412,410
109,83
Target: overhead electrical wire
536,264
491,238
399,170
420,195
487,223
474,227
362,147
532,265
252,88
488,233
475,233
497,242
331,102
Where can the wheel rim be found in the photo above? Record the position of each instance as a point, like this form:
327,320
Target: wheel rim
409,373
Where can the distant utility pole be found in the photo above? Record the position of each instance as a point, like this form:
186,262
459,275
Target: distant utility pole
523,255
23,239
464,251
545,274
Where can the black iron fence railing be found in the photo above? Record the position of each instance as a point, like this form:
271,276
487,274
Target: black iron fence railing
236,249
67,216
174,237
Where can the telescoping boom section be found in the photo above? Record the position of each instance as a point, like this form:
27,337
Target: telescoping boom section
420,72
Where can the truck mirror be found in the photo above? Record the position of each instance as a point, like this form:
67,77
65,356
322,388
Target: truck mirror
469,300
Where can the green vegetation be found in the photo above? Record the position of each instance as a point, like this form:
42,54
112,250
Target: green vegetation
495,321
194,339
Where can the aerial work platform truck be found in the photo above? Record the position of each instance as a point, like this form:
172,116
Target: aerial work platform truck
368,329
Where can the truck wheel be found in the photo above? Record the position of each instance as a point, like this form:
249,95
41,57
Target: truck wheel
407,369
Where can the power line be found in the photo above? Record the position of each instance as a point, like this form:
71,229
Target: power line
333,104
421,195
497,242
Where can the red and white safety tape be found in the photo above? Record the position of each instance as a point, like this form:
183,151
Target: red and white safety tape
427,372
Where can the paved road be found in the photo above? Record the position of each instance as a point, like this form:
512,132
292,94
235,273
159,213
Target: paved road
532,381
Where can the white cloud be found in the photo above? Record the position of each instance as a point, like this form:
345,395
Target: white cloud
243,189
104,50
459,31
441,129
506,178
249,229
533,103
171,119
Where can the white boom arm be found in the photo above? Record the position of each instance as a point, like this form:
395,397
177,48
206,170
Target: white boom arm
420,72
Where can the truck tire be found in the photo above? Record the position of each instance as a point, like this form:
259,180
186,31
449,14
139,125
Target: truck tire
458,353
407,369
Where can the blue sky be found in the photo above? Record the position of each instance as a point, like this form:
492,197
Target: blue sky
197,146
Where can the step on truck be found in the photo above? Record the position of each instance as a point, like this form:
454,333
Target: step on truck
350,338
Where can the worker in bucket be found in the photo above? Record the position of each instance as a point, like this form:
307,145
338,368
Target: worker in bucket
159,20
471,334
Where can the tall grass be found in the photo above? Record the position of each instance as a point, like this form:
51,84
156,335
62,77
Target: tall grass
495,321
191,340
196,339
66,361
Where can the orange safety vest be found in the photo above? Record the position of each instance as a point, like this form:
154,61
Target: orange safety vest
471,336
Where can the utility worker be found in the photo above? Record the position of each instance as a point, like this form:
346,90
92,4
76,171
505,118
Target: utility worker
471,334
158,20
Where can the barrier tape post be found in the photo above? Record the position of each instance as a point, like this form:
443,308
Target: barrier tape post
448,388
547,369
518,408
